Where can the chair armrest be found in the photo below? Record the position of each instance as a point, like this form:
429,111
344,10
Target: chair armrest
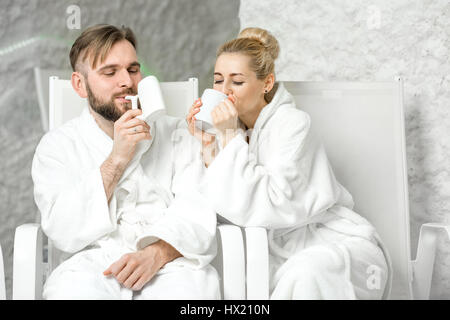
257,249
2,277
230,261
28,266
422,267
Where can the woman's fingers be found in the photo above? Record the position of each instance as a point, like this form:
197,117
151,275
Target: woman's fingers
195,108
190,119
230,108
232,98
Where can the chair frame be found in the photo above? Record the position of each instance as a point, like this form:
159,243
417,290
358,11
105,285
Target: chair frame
242,259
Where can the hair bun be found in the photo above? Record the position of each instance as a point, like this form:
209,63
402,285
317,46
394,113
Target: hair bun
265,37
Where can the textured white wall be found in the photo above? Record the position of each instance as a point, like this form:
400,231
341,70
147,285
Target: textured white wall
356,40
176,40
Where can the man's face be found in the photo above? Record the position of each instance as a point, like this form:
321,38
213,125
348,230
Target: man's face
112,80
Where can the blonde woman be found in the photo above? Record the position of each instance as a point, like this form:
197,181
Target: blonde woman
271,172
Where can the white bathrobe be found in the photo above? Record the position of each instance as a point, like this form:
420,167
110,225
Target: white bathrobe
281,180
156,198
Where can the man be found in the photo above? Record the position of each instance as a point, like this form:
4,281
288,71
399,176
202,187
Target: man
120,194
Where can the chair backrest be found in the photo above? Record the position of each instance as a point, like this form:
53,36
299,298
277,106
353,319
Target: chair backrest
362,128
65,104
41,77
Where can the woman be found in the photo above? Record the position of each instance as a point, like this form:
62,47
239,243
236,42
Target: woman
271,172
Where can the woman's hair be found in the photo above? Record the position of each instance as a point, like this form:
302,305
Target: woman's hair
262,48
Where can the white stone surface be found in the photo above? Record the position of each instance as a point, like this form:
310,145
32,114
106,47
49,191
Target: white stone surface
176,40
355,40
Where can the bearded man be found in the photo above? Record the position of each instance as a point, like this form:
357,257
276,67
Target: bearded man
119,195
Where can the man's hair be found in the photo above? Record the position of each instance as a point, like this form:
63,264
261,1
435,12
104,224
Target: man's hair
95,42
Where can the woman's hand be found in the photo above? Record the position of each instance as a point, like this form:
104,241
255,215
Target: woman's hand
205,138
208,140
225,120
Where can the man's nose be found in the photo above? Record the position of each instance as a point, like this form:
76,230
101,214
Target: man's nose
124,80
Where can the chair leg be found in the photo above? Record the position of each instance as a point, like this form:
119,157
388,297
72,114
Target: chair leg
2,277
28,267
424,263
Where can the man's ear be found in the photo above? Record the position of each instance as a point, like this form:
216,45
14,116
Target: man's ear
79,84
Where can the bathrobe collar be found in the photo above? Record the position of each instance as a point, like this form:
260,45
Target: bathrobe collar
282,96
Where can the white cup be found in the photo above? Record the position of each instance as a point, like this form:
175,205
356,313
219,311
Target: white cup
210,99
150,98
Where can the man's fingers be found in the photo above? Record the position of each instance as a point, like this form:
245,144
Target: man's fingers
138,129
115,268
133,278
135,122
125,273
129,114
143,280
140,136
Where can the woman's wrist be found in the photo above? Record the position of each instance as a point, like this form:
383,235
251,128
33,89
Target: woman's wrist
227,136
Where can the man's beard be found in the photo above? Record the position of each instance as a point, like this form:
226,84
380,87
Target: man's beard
107,110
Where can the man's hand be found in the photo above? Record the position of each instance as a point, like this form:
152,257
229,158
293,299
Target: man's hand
128,131
134,270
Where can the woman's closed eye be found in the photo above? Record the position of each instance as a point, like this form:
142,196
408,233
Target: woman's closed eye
238,83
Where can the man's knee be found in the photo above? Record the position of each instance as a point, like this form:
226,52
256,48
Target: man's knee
183,283
70,285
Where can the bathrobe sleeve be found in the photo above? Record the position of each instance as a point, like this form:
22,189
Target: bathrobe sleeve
71,199
294,183
189,223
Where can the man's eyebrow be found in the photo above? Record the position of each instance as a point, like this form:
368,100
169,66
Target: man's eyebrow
135,63
109,66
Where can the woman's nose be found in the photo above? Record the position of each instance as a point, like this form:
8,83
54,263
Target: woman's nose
227,90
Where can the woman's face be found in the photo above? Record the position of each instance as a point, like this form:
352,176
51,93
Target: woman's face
232,75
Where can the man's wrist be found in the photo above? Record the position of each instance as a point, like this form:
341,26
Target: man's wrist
111,171
116,163
166,252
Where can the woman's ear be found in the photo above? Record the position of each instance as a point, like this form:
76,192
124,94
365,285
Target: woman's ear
269,82
79,84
